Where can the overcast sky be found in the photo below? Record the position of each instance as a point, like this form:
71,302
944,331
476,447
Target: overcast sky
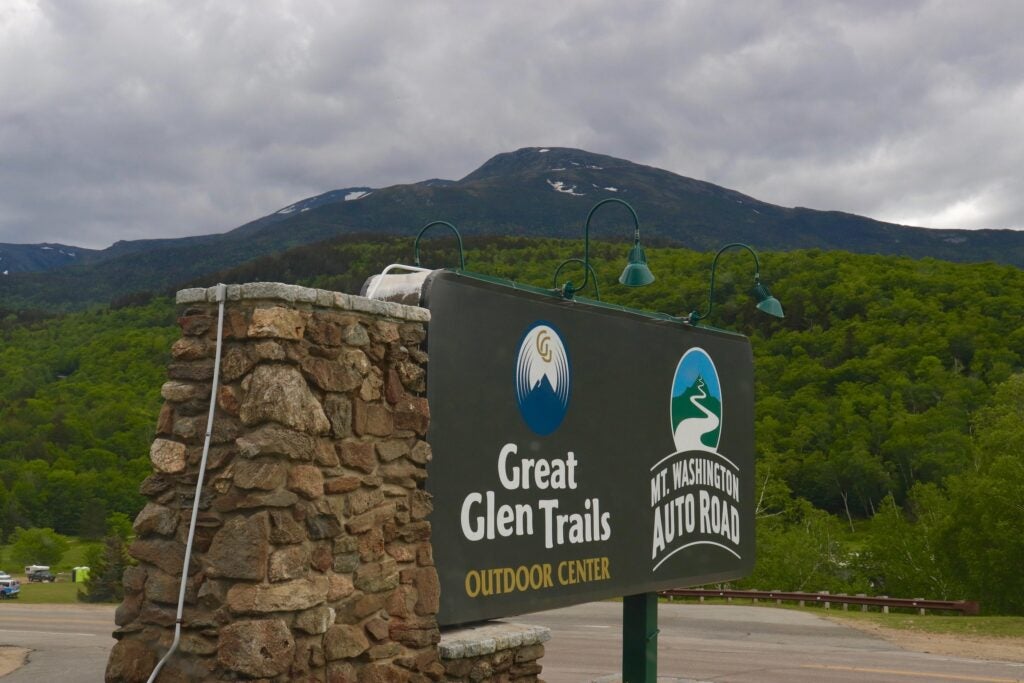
123,119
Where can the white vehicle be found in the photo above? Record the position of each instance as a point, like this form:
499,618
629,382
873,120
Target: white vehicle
36,568
9,589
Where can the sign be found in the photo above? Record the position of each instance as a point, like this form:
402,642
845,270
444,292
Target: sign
581,452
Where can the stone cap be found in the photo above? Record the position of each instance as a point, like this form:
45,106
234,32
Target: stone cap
294,294
488,637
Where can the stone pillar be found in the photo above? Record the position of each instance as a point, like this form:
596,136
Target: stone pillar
312,557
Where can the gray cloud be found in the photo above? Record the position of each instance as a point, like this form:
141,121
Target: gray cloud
122,120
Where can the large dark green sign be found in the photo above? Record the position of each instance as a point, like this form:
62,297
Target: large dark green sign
581,452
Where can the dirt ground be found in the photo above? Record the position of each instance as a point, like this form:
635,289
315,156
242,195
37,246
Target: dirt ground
11,658
1002,649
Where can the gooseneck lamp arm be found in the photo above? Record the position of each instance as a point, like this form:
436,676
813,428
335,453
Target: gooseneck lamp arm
636,273
458,237
587,266
766,302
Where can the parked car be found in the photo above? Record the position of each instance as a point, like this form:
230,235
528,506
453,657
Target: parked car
42,576
9,588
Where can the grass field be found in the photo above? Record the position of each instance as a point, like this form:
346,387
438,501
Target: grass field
60,592
983,627
74,557
998,627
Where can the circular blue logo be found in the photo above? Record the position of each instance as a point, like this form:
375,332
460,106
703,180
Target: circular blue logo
543,378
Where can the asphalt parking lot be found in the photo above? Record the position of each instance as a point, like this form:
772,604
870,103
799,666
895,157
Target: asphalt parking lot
723,643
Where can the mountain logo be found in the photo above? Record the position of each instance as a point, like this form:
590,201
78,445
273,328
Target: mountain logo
696,405
543,378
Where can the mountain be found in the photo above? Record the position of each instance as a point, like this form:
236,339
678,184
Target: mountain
542,408
529,192
291,211
23,258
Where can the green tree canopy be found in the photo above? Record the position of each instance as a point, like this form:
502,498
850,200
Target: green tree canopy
888,402
37,546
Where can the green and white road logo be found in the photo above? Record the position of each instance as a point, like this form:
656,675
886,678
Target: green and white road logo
695,491
696,403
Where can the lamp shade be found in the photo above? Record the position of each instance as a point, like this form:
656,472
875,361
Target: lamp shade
636,273
766,303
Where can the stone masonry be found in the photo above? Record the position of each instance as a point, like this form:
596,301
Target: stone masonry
312,558
493,651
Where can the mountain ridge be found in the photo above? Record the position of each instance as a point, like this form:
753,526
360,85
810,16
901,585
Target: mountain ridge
15,258
532,191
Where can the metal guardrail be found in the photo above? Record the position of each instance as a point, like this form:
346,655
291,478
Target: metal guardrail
966,607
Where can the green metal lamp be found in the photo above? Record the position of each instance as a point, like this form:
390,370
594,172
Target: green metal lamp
766,303
458,237
563,264
635,274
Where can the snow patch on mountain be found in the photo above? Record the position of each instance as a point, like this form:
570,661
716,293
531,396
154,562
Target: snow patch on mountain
559,186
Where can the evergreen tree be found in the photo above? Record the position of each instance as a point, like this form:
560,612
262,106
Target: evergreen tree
105,572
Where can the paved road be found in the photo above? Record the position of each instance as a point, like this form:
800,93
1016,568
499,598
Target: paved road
69,643
732,643
722,643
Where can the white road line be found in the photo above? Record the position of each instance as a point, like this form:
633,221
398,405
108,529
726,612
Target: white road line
45,633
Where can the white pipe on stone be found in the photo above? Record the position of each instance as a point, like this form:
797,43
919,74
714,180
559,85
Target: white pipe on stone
398,285
221,295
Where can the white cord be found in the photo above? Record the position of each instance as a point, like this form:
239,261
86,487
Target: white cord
221,296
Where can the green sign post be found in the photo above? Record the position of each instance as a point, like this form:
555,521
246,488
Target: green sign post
640,638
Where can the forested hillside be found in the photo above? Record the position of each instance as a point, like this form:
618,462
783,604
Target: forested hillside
78,398
890,404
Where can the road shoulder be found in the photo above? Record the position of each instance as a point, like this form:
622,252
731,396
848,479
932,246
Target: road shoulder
12,658
970,647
